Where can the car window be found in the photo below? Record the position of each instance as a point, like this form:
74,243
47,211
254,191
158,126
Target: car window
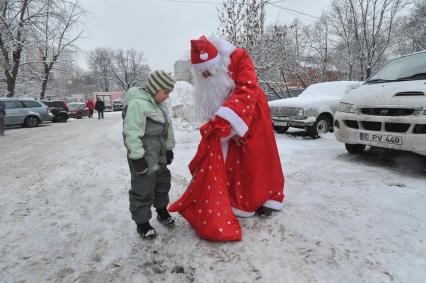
270,96
49,103
13,104
31,104
59,104
296,92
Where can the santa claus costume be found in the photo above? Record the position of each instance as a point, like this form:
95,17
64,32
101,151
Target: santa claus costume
231,176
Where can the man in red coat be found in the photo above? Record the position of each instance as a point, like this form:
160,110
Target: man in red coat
247,167
91,106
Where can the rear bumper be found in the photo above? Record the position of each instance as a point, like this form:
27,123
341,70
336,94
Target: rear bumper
407,132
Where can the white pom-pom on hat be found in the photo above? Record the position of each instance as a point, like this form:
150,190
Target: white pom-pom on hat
204,56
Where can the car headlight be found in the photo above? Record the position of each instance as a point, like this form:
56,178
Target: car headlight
346,107
300,112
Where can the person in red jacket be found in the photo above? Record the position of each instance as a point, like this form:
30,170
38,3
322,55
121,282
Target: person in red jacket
91,106
237,169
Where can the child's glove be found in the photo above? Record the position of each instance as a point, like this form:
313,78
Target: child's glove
140,166
169,156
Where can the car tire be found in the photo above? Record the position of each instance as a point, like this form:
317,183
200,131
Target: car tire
62,119
281,129
31,121
321,126
80,116
355,148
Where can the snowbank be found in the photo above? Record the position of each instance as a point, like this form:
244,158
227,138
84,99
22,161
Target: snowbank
182,103
65,217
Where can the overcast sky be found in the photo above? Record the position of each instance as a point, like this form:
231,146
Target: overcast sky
162,29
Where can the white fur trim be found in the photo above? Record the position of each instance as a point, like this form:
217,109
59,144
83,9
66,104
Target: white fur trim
273,204
224,148
204,56
241,213
222,45
206,64
237,123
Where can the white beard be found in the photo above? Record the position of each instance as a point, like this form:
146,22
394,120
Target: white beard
210,93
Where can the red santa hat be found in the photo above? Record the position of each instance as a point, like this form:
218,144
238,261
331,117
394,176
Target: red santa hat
203,53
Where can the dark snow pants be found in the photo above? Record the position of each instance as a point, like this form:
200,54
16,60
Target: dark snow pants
100,114
147,190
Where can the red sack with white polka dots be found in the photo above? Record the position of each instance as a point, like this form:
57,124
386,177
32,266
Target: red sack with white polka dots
206,202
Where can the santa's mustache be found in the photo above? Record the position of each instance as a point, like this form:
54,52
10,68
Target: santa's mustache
211,92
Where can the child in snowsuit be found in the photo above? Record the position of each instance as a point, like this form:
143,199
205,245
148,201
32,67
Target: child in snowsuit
149,139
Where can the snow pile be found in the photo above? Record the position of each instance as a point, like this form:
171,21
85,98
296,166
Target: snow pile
335,89
65,217
182,103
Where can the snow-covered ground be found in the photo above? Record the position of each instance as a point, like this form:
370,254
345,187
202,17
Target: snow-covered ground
64,214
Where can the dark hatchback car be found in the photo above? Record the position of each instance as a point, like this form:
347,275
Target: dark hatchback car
58,109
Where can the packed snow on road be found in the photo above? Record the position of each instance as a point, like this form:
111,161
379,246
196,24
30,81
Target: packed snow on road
64,214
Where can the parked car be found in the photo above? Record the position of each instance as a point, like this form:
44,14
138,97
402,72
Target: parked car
78,110
312,110
388,110
117,105
58,109
25,111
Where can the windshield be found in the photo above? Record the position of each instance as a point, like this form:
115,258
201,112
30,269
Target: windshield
74,105
412,67
329,89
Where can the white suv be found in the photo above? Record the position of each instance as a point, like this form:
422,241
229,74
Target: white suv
388,110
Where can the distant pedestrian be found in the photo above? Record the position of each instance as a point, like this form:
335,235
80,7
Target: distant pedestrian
100,106
91,106
2,115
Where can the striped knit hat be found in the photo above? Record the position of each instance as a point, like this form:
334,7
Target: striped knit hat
158,80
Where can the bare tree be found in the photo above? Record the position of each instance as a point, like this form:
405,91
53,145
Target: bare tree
100,63
129,69
55,35
367,28
411,32
231,16
15,21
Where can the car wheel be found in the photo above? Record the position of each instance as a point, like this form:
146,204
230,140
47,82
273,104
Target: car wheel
31,121
355,148
80,116
321,126
62,118
280,129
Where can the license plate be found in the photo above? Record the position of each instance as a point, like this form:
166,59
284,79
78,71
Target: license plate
380,138
281,124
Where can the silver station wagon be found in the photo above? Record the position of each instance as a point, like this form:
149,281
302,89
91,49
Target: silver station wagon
26,112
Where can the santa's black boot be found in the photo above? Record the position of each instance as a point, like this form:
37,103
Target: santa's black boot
164,217
146,231
264,212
